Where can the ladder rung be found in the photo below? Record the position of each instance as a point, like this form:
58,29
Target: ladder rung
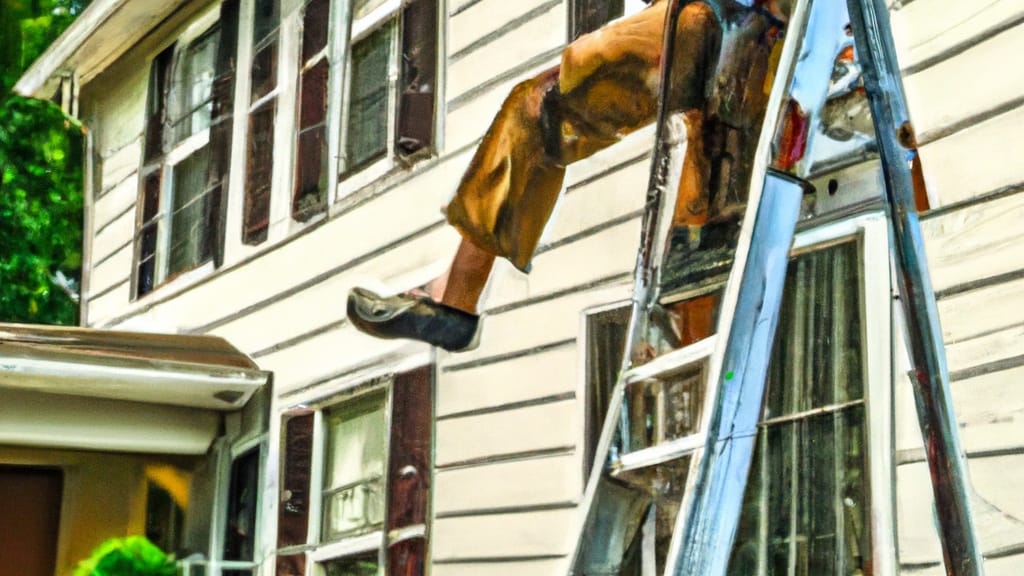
672,361
658,454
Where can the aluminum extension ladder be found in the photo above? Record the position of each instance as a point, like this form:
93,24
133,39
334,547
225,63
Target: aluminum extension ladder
737,357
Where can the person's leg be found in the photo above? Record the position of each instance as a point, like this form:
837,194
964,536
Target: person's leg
471,268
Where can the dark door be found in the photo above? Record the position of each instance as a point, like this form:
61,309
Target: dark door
29,519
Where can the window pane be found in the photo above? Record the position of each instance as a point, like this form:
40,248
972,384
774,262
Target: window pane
354,467
818,355
196,86
362,565
315,21
664,409
606,343
265,19
806,506
264,71
293,565
313,108
296,461
239,539
259,172
589,15
156,103
368,99
190,217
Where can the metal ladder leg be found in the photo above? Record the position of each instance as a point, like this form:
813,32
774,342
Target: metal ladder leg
930,376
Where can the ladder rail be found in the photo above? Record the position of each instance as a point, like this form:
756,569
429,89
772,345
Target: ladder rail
929,375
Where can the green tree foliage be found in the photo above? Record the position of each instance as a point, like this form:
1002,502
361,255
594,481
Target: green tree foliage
40,175
131,556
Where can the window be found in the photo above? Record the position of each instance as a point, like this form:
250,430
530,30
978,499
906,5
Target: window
368,507
806,509
186,152
385,119
309,197
819,488
588,15
240,529
263,92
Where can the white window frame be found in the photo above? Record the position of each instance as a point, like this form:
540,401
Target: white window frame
871,232
178,153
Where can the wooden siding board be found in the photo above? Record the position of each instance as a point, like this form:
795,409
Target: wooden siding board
536,376
114,269
115,203
977,160
113,236
486,18
926,29
983,311
509,535
526,483
513,431
990,409
539,324
541,34
977,241
118,166
966,85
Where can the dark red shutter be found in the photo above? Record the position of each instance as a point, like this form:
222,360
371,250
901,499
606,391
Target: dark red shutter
220,129
417,86
296,467
409,470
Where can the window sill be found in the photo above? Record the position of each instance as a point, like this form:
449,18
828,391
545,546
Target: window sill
348,546
356,189
170,288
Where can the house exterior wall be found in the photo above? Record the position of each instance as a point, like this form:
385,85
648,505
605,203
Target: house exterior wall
964,99
509,415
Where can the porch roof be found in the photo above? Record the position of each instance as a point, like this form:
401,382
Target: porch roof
143,389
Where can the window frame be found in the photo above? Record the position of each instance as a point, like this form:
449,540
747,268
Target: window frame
173,152
629,7
347,180
871,233
317,549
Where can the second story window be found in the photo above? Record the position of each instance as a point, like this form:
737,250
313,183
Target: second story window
179,207
263,92
389,108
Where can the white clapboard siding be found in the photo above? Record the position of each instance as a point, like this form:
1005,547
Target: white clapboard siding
486,19
981,311
608,253
990,408
544,32
917,537
1005,566
110,303
113,269
117,166
325,302
467,120
504,535
545,427
969,84
997,346
556,567
539,324
925,29
533,482
113,236
119,112
376,225
116,201
541,375
975,242
980,159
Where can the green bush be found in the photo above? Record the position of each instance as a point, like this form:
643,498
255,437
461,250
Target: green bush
131,556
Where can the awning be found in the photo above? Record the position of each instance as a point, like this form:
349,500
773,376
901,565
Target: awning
97,389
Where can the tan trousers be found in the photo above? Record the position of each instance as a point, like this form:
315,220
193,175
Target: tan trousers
607,85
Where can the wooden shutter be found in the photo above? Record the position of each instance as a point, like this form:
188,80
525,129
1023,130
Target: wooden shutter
220,129
409,472
296,467
147,225
417,86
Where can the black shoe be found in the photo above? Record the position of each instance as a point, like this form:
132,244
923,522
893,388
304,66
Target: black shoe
416,317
